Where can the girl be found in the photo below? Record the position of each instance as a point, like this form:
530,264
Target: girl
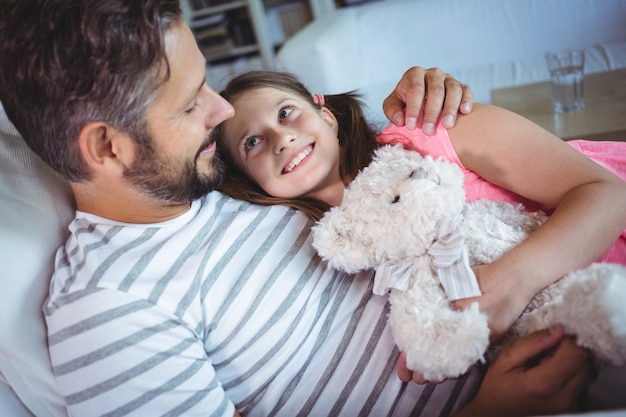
285,146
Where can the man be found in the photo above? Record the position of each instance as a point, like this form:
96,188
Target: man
169,298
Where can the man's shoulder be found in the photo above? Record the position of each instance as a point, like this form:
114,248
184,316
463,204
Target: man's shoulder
222,205
216,230
215,217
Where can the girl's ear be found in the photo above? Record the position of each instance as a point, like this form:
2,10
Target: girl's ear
330,119
105,149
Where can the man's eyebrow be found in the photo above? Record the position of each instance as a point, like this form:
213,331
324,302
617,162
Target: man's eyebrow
200,87
192,97
202,82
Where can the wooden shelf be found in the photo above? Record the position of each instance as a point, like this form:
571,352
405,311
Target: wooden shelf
255,34
233,53
240,35
207,11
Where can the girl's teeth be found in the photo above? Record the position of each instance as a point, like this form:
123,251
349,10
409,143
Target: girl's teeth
295,161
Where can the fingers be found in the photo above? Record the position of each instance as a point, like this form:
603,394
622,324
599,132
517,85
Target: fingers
449,97
578,380
560,377
458,98
567,366
416,93
438,92
406,375
543,373
404,104
437,83
520,352
467,102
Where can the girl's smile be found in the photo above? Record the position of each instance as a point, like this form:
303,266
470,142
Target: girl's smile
300,158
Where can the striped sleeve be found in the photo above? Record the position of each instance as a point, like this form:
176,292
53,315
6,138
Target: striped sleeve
130,357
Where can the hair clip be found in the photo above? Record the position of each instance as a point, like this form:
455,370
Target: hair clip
318,99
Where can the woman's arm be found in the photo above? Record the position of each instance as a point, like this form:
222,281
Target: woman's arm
589,201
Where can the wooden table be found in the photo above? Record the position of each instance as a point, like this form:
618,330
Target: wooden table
602,118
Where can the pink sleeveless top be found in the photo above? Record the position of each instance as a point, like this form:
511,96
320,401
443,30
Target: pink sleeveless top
611,155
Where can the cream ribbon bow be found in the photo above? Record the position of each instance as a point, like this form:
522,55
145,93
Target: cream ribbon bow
449,258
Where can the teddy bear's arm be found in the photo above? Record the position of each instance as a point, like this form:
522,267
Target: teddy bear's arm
439,342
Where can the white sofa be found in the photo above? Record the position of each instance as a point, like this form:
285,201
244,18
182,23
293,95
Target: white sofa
484,43
36,205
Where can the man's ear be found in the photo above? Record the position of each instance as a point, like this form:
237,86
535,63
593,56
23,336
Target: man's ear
330,118
105,149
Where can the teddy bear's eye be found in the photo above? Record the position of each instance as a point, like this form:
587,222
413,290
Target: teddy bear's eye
395,199
419,174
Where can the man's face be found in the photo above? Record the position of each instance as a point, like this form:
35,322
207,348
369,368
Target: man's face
182,164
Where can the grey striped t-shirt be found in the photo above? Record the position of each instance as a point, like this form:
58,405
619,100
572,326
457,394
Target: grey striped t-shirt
225,306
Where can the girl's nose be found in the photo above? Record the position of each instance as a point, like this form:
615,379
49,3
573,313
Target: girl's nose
282,140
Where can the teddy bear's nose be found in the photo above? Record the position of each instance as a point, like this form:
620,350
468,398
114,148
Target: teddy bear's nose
395,199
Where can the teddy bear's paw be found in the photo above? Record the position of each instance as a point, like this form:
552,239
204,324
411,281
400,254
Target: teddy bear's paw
594,310
443,343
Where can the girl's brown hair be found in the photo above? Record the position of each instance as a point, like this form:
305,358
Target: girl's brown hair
357,139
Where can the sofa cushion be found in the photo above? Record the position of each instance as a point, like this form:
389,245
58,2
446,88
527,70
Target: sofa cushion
37,206
484,43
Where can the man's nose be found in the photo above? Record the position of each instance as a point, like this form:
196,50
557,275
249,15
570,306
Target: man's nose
219,110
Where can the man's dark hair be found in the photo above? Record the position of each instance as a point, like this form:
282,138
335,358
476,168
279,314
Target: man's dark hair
65,63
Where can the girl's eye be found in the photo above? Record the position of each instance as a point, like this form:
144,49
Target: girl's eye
284,112
251,142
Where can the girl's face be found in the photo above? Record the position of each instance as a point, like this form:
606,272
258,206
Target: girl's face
285,145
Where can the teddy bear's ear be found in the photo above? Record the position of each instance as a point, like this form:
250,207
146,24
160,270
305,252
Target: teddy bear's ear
335,242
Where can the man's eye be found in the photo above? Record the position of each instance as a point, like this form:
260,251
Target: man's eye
192,108
251,142
284,112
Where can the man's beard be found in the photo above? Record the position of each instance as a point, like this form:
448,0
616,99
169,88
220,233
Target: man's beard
162,179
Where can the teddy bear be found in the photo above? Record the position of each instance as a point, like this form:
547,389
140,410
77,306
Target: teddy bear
406,216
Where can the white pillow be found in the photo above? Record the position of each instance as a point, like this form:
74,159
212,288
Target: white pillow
5,124
36,207
10,405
